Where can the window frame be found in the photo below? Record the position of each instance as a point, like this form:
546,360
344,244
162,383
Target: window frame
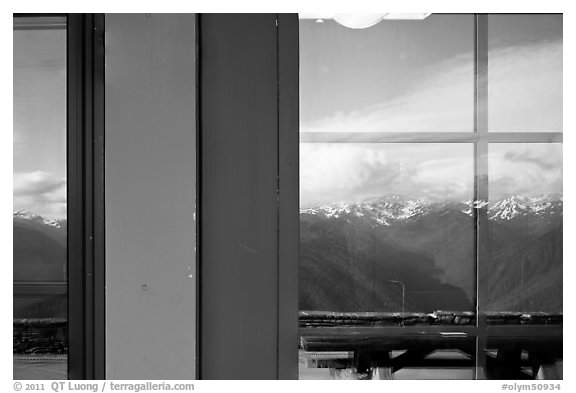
85,197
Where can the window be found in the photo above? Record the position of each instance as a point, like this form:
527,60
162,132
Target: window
431,198
40,214
58,197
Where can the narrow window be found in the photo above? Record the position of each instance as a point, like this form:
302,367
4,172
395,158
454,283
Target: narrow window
39,211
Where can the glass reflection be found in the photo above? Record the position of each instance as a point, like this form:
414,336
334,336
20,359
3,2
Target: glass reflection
525,73
387,238
525,222
375,257
520,291
39,209
399,75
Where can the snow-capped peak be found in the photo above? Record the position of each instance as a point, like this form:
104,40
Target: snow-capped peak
516,205
393,208
27,215
383,210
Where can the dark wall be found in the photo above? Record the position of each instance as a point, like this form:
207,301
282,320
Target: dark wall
244,208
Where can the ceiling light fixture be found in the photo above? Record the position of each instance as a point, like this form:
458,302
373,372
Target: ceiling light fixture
405,16
363,21
358,21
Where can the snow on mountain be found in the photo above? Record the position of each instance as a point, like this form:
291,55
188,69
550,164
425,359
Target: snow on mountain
515,206
27,215
384,210
394,208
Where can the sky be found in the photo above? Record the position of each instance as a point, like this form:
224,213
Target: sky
343,173
417,76
39,135
395,76
528,169
372,79
339,172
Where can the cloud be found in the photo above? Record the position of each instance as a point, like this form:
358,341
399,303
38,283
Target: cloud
525,87
525,94
41,193
442,102
352,172
525,169
544,162
341,172
37,182
332,173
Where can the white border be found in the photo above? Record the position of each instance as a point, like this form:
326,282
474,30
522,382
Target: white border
491,6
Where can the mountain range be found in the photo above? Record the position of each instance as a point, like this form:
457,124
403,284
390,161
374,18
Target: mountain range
39,254
362,256
356,256
39,247
394,208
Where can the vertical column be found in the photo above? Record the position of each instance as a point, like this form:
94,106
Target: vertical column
150,196
239,235
289,221
481,181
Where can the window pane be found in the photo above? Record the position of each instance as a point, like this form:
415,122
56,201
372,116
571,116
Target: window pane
387,238
525,214
39,218
525,73
399,75
521,278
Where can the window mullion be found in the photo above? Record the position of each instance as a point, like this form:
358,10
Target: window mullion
481,177
388,137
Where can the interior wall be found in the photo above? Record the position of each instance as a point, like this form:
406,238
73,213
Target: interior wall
249,196
239,206
150,196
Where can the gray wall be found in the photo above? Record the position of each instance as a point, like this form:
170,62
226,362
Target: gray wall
249,196
150,196
239,243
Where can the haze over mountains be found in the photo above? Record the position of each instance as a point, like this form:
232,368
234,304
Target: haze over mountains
353,256
39,247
